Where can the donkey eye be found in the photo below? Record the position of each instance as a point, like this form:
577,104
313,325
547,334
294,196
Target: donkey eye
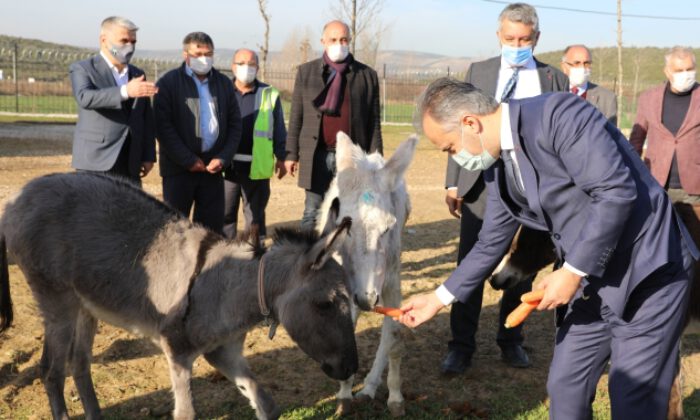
325,305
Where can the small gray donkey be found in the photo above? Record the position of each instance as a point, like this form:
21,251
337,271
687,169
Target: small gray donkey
95,247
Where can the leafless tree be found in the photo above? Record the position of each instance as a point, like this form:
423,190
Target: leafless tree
360,15
262,5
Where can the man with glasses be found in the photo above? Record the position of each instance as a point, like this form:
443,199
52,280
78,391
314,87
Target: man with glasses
198,126
261,151
576,63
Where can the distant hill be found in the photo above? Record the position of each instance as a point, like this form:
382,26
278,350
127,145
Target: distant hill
644,62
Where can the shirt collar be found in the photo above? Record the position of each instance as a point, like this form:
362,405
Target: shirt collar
506,132
112,67
530,64
581,88
190,73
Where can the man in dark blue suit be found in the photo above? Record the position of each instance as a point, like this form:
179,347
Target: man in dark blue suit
554,163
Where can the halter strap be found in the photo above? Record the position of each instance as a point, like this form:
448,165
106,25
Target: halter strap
264,310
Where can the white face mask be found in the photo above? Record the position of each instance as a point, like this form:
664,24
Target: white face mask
201,65
337,52
246,74
683,81
579,76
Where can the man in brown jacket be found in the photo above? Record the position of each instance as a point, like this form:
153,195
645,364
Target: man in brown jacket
668,118
331,94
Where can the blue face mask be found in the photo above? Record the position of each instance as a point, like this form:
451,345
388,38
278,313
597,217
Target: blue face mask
471,162
516,56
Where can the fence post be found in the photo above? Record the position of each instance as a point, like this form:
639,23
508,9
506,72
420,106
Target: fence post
448,71
14,77
384,94
155,66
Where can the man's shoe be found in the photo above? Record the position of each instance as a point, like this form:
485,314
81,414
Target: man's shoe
515,356
455,363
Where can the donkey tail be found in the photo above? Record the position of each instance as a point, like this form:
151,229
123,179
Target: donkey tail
5,298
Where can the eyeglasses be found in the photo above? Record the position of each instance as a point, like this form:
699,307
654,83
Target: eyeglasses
586,64
243,63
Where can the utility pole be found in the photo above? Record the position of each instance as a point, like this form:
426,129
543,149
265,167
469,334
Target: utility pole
619,60
14,77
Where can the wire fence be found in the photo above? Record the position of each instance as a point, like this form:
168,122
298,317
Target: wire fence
37,82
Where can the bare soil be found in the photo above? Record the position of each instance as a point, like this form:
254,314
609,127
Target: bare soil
131,376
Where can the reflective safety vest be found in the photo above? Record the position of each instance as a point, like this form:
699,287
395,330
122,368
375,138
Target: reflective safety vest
263,164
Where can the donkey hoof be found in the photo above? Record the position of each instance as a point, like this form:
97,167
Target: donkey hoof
363,398
397,409
344,407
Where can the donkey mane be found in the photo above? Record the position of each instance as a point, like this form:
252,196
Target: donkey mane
292,235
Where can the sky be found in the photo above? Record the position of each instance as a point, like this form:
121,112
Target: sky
457,28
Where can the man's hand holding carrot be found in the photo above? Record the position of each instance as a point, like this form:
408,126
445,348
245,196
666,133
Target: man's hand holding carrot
419,309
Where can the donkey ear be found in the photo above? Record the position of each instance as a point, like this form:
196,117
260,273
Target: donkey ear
330,218
347,153
324,248
398,163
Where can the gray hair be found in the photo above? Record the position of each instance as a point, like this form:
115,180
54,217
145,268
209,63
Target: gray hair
679,52
566,51
447,99
197,38
522,13
235,53
118,21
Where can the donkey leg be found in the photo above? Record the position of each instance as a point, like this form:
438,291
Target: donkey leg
180,377
228,359
81,356
57,341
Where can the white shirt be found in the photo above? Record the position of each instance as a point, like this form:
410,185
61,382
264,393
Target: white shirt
581,89
528,80
120,77
507,145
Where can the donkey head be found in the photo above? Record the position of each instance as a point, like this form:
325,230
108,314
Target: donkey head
315,306
372,192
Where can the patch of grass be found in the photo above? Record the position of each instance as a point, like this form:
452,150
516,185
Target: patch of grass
38,104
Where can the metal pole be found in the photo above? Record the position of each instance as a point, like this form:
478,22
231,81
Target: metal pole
14,77
384,94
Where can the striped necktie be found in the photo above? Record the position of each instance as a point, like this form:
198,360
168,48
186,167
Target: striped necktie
509,90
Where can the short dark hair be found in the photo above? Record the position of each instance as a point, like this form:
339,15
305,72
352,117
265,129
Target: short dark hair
197,38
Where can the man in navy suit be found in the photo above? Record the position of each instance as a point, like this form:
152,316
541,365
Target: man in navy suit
554,163
115,131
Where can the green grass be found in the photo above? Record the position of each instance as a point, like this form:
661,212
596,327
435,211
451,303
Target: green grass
38,104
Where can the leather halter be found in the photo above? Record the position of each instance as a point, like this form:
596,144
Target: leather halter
264,310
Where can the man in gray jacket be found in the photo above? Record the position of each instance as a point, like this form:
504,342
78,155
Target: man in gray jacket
198,126
115,130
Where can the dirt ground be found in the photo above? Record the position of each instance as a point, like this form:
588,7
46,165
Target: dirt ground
131,376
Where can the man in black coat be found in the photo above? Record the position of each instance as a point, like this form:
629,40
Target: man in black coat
198,126
331,94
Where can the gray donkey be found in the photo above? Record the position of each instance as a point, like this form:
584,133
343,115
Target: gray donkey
94,247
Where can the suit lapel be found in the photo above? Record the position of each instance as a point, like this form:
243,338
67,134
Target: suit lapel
690,117
491,78
545,76
527,171
592,94
103,71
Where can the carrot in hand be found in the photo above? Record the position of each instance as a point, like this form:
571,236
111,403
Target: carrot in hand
519,314
532,297
392,312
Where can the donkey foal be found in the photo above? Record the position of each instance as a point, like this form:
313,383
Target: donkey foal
94,247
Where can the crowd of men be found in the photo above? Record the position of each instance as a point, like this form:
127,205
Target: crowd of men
518,155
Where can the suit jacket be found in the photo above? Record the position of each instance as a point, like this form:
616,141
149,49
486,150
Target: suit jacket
661,144
176,109
305,119
105,120
604,100
484,75
584,184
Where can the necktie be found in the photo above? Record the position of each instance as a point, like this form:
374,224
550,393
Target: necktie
509,90
574,90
